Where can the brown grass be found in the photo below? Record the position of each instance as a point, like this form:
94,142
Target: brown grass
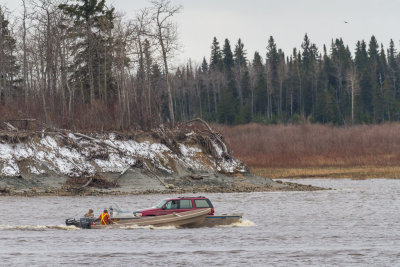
357,172
315,146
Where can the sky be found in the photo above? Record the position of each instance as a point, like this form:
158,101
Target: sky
286,20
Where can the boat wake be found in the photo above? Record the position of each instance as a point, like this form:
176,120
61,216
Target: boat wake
38,227
241,223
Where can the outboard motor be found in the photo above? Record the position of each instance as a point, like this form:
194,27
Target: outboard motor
86,223
71,221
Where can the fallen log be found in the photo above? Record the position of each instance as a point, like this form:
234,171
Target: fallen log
10,127
214,134
87,183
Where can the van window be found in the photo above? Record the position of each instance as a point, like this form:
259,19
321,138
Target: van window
185,204
201,203
171,205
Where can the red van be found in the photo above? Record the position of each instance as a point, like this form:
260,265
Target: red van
180,204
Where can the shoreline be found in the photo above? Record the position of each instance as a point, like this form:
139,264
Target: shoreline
135,183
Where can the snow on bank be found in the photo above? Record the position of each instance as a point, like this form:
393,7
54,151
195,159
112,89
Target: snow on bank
76,156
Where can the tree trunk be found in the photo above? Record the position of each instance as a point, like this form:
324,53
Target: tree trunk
169,87
25,67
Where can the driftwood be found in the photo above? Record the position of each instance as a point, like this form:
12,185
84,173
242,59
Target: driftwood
203,122
88,182
10,127
217,136
76,183
26,120
99,142
155,175
140,161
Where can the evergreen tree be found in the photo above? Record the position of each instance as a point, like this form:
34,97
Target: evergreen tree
9,68
227,58
308,65
240,59
375,76
326,104
230,98
260,87
272,76
92,20
204,66
216,56
365,97
393,69
240,72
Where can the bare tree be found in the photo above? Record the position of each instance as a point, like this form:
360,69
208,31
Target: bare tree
25,63
353,86
165,30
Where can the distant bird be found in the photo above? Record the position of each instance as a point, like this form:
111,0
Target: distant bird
346,22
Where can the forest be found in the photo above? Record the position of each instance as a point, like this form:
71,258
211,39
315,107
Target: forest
82,65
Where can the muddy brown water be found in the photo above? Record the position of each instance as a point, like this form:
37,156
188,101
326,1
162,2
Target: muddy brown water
357,224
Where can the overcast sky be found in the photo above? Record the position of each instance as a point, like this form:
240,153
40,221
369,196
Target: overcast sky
287,20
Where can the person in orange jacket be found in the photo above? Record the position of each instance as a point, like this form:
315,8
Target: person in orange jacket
105,218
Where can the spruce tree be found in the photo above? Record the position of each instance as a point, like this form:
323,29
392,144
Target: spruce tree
272,76
374,74
92,20
260,88
227,58
240,68
204,66
393,68
229,105
361,60
216,56
9,68
240,59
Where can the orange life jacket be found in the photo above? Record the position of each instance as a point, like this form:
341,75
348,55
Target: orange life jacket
104,218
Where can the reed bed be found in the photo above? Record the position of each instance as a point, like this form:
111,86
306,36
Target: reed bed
314,146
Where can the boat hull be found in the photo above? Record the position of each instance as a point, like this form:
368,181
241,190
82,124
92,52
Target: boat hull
182,219
218,220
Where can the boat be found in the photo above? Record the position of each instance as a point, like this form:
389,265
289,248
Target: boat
211,220
181,219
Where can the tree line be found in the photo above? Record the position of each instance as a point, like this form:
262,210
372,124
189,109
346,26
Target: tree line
329,86
80,64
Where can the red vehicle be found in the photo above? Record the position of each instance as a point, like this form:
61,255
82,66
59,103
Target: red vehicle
180,204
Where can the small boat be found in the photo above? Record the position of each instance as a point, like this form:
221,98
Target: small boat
209,221
117,214
181,219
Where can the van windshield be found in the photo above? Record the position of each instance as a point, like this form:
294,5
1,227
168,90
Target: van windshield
159,206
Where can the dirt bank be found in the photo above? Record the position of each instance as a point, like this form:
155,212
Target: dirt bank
190,158
137,182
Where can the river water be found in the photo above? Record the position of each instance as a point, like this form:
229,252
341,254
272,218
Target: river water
356,224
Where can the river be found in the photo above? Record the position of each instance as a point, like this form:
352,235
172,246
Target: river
355,224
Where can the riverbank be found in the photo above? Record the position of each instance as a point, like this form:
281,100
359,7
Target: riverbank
136,183
191,157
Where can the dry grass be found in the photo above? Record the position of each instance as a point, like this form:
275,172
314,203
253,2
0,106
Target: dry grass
317,150
330,172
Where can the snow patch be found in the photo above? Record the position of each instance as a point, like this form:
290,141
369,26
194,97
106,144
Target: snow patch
86,157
